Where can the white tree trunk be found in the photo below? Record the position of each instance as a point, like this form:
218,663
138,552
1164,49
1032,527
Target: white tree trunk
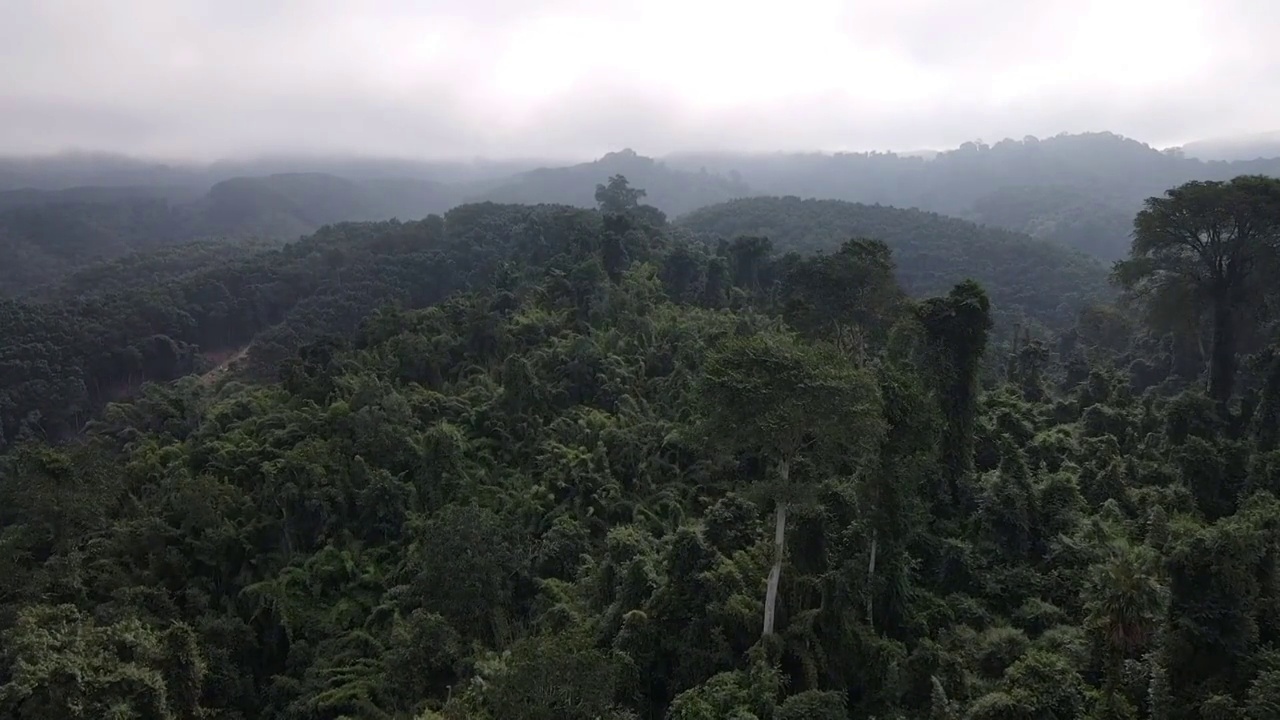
871,572
771,595
775,574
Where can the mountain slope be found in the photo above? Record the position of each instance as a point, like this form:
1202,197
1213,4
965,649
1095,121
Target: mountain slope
42,243
1099,175
1025,277
1245,147
46,235
560,492
296,203
670,190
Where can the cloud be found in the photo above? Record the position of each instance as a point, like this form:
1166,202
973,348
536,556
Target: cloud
570,78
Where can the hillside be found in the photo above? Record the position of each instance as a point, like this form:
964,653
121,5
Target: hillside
1080,191
47,235
1242,147
292,204
548,463
104,194
671,191
1028,279
79,169
45,241
152,316
1085,189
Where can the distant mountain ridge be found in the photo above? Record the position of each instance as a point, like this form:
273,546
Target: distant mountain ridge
47,235
674,191
1082,191
80,169
1240,147
1085,188
297,203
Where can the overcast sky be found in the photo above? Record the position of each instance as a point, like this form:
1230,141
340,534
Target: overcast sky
576,78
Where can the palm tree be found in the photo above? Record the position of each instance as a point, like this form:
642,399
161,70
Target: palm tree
1124,602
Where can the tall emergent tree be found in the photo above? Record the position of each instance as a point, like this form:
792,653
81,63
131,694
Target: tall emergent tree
956,327
618,196
785,401
1207,240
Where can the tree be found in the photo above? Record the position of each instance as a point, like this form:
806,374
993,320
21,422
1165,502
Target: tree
471,545
956,327
1124,602
783,401
59,663
854,286
618,196
556,678
747,256
1208,240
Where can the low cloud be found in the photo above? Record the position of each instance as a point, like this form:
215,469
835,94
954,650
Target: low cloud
572,79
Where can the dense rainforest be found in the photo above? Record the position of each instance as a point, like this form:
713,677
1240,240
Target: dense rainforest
65,213
1030,282
163,314
550,462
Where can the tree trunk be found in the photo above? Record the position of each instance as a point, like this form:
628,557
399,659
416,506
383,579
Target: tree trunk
771,595
1222,362
779,535
871,572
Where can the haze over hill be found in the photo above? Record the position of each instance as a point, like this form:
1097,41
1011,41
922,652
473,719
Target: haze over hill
1241,147
639,360
1080,191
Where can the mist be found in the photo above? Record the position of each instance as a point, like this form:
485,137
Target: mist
570,80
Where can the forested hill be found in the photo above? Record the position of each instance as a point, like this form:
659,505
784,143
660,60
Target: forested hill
560,464
1029,280
159,315
155,317
670,190
1078,190
1081,191
293,204
46,235
81,170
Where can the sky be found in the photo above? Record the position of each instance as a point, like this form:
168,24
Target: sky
204,79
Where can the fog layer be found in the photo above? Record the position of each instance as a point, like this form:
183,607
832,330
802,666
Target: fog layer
573,79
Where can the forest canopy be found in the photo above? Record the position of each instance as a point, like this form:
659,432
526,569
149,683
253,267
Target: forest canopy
552,462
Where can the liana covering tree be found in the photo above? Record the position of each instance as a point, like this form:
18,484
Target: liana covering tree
956,329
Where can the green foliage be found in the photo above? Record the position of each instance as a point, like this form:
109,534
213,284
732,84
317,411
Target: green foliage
1264,696
65,665
1208,241
998,648
1028,280
519,462
773,395
731,695
956,329
813,705
551,678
